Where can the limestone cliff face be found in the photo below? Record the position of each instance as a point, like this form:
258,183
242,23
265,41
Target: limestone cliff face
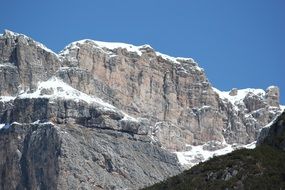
56,137
172,93
247,112
98,113
24,62
149,85
274,133
45,156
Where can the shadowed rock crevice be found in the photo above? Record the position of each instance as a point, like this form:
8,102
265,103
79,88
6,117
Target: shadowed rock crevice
39,161
30,154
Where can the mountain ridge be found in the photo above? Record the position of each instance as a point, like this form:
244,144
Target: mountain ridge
126,99
182,68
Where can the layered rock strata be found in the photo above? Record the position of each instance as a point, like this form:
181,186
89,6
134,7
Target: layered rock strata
121,108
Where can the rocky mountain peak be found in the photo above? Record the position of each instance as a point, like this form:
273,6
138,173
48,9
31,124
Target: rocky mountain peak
272,96
9,33
130,98
141,82
25,39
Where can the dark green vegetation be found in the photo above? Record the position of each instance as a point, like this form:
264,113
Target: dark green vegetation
261,168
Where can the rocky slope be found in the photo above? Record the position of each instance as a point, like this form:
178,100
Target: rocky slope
65,156
261,168
107,115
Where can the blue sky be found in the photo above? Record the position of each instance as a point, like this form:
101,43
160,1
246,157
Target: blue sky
238,43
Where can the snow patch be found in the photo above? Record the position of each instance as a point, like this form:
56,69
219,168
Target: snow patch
6,98
198,154
106,45
271,87
129,118
271,123
167,57
43,123
282,107
36,122
175,59
16,123
55,88
250,145
7,65
116,45
4,126
45,48
241,94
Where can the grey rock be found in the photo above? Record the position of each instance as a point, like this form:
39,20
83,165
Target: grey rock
171,102
227,177
25,63
157,88
272,96
213,145
262,135
44,156
108,162
148,86
233,92
29,157
253,102
275,134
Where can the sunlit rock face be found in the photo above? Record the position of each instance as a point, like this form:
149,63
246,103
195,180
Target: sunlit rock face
108,115
175,91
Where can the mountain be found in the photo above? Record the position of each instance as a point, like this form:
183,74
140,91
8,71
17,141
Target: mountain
260,168
56,137
114,116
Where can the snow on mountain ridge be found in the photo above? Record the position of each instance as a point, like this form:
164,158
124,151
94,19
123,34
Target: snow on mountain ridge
129,47
107,45
241,94
55,88
6,98
40,45
103,46
175,59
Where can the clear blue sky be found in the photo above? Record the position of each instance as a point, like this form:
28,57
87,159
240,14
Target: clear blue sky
239,43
